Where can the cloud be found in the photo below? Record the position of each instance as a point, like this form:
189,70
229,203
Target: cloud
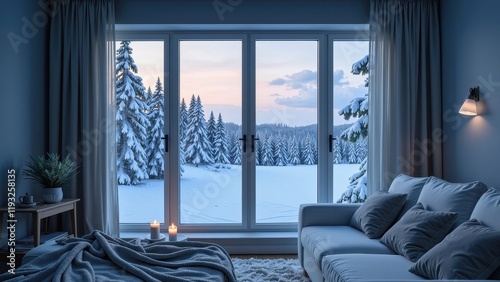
342,96
305,98
305,83
339,78
277,81
275,95
296,80
303,76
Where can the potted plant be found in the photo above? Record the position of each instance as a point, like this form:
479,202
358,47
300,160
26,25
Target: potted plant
51,173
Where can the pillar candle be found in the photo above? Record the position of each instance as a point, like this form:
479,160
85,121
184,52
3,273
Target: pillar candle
172,233
155,230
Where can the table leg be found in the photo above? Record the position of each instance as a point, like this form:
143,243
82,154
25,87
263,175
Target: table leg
36,229
73,219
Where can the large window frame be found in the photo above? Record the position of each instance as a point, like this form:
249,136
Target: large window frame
325,39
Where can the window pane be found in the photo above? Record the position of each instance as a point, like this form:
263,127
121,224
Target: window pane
286,116
350,63
209,131
140,126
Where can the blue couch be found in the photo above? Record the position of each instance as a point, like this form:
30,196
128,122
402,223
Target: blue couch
331,249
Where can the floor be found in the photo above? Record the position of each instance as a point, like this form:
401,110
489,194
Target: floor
265,256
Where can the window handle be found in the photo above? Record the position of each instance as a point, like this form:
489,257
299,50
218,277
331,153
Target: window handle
166,142
244,139
330,142
253,142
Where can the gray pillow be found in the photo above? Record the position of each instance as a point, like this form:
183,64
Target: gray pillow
418,231
440,195
409,185
471,251
377,213
486,212
487,209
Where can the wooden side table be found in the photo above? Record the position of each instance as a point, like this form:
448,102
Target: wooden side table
41,211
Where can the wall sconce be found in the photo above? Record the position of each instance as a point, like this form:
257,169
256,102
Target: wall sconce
469,107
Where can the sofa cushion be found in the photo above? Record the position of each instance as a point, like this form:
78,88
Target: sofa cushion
487,209
486,212
321,241
418,231
377,213
364,267
440,195
471,251
409,185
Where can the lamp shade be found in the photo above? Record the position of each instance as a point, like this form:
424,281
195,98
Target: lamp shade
468,108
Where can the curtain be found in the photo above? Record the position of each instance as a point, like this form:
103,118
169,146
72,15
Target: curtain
405,128
82,106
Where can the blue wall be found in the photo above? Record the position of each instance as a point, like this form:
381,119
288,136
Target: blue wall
24,89
242,12
470,33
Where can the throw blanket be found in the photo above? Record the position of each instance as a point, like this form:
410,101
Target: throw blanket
99,257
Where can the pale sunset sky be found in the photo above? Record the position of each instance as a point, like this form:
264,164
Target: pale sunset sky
286,77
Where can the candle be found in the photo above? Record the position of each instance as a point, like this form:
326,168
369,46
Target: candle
155,230
172,233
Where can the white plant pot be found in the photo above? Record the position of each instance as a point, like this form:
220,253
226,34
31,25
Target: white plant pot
52,195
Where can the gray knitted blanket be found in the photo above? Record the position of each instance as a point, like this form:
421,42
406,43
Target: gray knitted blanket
99,257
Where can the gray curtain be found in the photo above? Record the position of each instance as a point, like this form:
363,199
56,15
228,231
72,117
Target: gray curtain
82,107
405,134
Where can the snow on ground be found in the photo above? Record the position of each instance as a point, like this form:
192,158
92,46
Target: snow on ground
213,194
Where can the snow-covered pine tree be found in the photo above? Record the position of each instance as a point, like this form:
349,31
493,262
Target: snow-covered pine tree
197,144
274,155
267,152
279,154
356,191
183,124
258,153
149,93
301,145
220,142
236,150
362,150
294,151
155,145
211,132
351,147
314,145
131,120
337,158
286,147
309,158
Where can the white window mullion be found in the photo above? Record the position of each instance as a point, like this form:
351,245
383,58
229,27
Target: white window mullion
173,113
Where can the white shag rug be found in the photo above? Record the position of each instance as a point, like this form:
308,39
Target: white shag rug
257,270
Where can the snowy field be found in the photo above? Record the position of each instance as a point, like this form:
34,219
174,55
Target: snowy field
213,194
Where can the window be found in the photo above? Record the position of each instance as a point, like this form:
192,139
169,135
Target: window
210,120
247,118
350,113
140,127
286,98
